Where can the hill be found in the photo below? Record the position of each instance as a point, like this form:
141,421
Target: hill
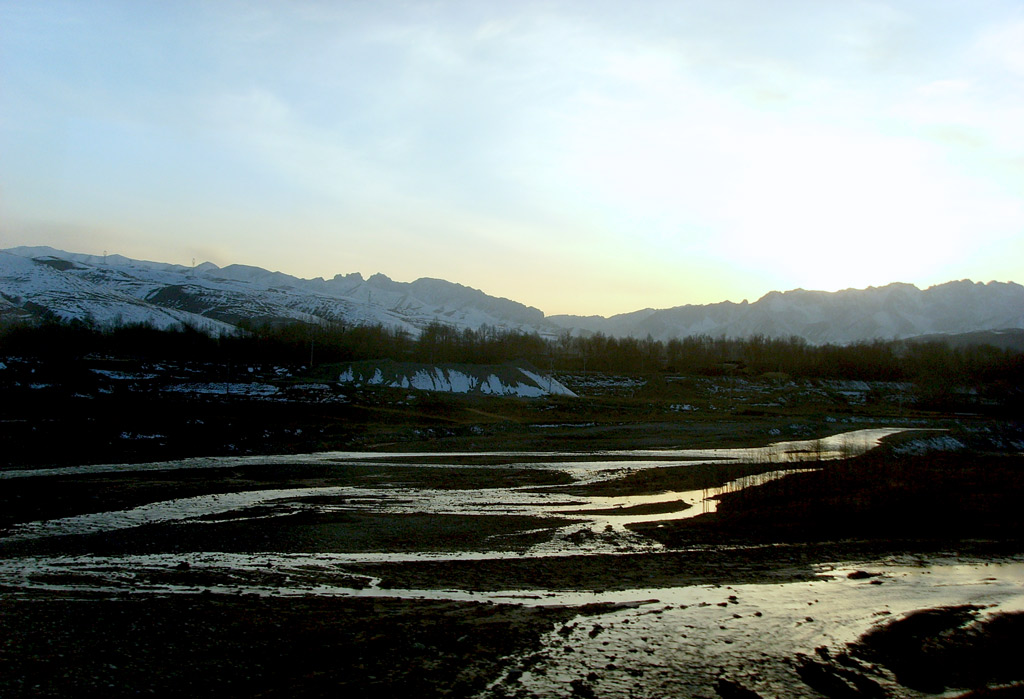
44,283
48,283
891,312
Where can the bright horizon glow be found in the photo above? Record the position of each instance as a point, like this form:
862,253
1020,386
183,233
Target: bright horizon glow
579,157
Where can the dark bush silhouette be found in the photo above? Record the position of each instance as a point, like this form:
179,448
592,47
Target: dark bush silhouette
942,374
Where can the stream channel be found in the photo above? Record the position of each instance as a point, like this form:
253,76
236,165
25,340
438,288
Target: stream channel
653,641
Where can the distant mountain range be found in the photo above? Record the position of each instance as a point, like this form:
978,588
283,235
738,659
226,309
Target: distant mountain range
894,311
41,282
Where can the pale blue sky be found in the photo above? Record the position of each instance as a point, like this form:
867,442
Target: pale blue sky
581,157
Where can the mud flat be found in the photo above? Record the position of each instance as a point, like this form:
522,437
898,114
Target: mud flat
620,573
223,645
874,628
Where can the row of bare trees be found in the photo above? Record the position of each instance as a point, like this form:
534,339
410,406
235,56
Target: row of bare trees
441,343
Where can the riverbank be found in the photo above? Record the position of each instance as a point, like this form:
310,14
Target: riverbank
890,627
47,419
460,576
942,497
226,646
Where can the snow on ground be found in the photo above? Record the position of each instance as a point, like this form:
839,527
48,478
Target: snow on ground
125,375
929,444
234,389
68,295
113,289
488,380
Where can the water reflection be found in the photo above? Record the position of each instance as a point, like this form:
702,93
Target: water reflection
669,641
581,523
680,641
837,446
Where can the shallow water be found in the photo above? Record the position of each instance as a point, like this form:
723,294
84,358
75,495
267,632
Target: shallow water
833,447
588,513
646,642
684,639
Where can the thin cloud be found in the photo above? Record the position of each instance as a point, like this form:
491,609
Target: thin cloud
731,143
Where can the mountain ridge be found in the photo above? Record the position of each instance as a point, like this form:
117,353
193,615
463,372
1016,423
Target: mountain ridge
38,282
219,298
895,311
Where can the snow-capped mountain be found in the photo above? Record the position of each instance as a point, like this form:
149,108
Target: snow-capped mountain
41,282
894,311
44,282
52,287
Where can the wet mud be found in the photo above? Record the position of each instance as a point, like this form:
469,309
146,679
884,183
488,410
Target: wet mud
496,574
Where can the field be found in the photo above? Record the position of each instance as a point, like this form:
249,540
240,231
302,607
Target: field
186,531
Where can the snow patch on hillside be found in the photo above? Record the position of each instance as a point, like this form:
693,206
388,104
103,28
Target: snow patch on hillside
43,283
505,380
39,287
109,290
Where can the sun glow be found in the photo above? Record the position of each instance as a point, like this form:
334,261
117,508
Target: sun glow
705,153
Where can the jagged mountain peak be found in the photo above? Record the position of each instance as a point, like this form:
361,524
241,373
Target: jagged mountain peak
111,289
893,311
45,282
381,280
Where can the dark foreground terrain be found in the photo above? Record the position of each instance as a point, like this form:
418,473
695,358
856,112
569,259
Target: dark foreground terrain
219,646
153,610
222,645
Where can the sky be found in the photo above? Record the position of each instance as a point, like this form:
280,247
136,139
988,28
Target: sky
579,156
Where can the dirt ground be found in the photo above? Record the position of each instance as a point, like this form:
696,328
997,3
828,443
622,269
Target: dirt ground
223,646
202,643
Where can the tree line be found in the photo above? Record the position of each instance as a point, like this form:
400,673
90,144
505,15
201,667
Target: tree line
305,344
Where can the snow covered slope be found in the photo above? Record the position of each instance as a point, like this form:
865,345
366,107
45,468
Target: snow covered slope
43,282
49,287
53,283
895,311
503,380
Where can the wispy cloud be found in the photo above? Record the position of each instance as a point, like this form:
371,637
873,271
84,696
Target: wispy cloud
692,150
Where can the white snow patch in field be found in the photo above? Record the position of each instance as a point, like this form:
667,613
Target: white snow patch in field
236,389
554,387
123,375
930,444
448,380
563,424
492,385
135,435
459,382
